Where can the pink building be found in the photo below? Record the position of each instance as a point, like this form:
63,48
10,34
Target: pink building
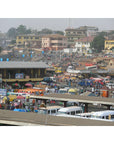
54,42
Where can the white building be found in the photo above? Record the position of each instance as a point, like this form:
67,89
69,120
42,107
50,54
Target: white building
83,45
90,30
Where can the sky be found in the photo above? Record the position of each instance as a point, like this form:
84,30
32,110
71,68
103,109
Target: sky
56,23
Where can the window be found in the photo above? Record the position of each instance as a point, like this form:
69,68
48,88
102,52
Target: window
48,111
57,110
73,113
59,38
107,117
112,116
79,33
78,111
68,113
53,111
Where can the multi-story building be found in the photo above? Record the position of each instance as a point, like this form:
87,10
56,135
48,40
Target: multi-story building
83,45
81,32
54,42
74,34
28,40
109,44
90,30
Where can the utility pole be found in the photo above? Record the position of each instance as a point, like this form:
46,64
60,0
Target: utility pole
69,23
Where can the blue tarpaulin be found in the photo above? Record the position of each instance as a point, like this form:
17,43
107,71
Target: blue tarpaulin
22,110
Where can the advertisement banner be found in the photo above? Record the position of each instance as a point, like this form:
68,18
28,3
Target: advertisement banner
19,75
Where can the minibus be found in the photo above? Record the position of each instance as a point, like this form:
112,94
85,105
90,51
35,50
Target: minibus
70,111
51,110
103,115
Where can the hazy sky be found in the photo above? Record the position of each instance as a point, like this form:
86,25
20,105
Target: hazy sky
56,23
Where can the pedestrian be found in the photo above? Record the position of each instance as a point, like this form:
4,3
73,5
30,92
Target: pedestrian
92,89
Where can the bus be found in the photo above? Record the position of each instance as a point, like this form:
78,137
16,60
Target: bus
70,111
51,110
91,67
103,115
63,91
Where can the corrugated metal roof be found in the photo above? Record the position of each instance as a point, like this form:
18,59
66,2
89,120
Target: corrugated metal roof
19,64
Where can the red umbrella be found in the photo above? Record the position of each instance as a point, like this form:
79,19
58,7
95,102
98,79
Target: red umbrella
15,84
20,97
16,104
28,84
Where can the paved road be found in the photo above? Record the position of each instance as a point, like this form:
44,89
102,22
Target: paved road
41,119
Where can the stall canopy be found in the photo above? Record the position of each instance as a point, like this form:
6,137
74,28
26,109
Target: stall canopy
16,84
28,85
12,97
20,97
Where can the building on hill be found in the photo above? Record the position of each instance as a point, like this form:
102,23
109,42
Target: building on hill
73,34
90,30
29,40
83,45
109,43
54,42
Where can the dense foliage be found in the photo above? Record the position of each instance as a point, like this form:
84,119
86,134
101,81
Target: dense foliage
98,42
21,29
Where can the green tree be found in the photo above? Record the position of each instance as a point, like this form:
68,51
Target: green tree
13,41
12,33
21,29
98,42
28,31
59,32
45,31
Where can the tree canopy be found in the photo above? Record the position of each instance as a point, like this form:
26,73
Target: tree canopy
12,33
45,31
98,42
49,31
21,29
59,32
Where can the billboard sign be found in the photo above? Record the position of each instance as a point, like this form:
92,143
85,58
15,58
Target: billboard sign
3,92
19,75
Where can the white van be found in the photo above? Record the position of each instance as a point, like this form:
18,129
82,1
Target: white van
103,115
70,111
51,110
63,91
110,85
